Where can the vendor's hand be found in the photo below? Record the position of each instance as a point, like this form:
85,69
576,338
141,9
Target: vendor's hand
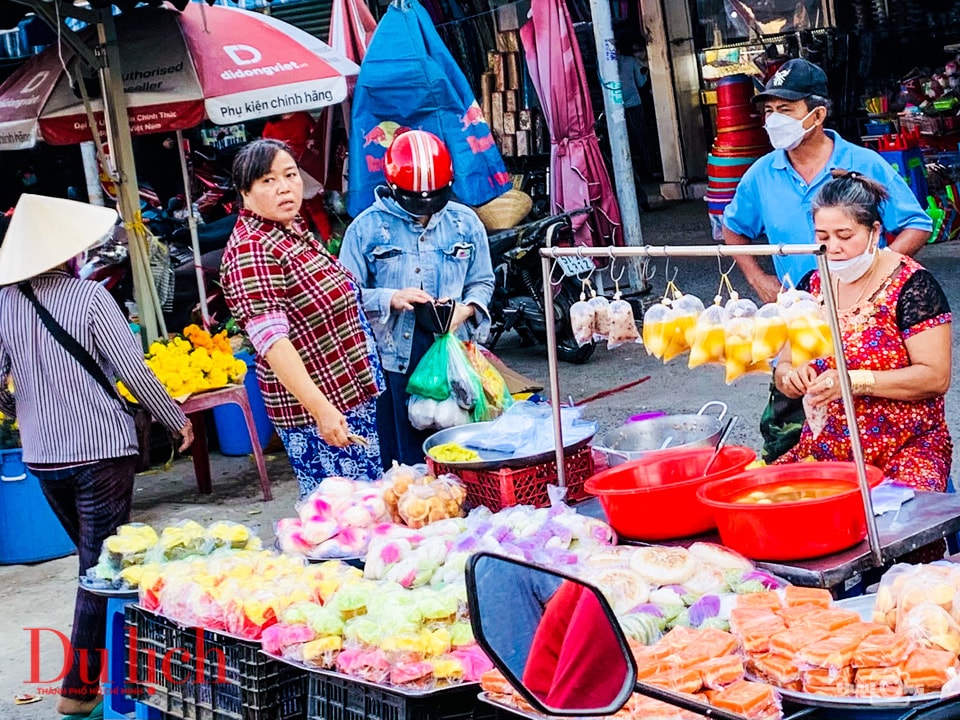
186,436
825,389
767,286
795,383
461,313
332,425
405,299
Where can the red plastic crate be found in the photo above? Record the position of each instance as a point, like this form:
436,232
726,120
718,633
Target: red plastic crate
497,489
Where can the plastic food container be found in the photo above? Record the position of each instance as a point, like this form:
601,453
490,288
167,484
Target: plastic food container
789,530
655,498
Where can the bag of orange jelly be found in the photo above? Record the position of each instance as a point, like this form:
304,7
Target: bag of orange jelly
656,321
708,336
807,329
769,333
686,310
738,339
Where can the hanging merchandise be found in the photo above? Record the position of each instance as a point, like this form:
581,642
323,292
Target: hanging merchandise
738,339
769,333
807,329
582,317
623,326
709,336
409,80
601,316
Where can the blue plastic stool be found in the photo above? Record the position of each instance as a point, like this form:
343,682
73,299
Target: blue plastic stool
116,705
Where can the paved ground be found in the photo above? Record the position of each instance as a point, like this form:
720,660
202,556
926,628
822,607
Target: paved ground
42,595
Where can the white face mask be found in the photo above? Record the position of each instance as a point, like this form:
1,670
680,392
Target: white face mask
852,269
786,132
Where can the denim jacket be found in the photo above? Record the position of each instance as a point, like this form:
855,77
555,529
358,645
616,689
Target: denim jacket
387,250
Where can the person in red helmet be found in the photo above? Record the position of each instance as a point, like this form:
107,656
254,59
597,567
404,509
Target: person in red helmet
415,245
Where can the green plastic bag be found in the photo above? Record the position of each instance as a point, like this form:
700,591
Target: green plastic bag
445,371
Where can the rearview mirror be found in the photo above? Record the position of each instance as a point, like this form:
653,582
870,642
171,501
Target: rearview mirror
553,637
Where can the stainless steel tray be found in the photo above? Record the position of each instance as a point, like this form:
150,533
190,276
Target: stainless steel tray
125,593
490,459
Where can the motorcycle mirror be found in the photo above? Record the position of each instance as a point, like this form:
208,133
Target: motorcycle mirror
554,638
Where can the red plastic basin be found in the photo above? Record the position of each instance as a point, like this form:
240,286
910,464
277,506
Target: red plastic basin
789,530
655,497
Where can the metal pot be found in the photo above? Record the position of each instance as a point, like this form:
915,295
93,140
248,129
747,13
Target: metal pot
633,441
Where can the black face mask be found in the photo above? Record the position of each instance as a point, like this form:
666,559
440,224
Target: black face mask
418,204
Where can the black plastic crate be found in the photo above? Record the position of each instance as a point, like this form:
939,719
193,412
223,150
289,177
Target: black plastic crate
238,681
332,697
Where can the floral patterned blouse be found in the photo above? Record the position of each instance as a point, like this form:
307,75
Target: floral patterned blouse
908,440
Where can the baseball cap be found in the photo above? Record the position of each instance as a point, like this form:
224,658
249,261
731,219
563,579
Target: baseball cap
795,80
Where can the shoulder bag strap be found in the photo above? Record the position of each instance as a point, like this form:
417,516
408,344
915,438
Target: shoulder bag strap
69,343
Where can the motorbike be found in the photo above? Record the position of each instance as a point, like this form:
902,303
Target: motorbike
517,302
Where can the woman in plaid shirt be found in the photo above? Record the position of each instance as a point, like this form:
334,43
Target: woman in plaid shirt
317,361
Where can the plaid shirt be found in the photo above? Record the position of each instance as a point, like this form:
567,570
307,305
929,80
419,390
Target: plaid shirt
268,269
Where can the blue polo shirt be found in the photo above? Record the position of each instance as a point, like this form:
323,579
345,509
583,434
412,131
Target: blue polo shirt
773,200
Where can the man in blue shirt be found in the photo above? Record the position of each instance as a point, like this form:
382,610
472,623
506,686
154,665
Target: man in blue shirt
774,196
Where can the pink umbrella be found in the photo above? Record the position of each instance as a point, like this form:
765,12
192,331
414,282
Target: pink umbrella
351,27
579,176
222,63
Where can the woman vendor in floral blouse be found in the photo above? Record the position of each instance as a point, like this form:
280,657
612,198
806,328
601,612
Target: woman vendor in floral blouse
895,322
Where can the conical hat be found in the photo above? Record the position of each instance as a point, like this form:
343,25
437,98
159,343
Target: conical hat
46,232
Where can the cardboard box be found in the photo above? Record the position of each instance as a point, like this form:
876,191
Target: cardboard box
495,63
496,114
523,143
510,101
509,123
488,83
511,70
508,41
508,145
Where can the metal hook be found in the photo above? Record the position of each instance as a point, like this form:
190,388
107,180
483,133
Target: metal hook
613,263
553,269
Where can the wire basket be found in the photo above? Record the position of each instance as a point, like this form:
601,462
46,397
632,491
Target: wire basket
497,489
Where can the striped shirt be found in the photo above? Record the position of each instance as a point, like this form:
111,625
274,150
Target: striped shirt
65,417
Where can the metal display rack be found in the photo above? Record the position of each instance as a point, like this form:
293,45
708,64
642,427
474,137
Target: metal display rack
549,255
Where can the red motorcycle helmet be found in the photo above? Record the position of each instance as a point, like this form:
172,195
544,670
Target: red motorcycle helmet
419,171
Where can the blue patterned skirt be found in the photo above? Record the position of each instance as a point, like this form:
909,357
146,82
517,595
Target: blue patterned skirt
313,460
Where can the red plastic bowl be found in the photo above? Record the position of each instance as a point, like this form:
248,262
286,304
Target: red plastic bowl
655,497
789,530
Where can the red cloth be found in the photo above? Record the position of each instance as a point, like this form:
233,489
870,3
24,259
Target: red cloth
573,662
293,129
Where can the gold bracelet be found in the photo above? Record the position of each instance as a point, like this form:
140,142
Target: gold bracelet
862,381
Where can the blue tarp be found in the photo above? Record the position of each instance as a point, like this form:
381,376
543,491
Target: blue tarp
409,80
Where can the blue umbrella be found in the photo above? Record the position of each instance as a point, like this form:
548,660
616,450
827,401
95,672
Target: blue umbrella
409,80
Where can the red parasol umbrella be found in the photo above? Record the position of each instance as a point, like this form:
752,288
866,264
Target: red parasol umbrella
578,174
226,64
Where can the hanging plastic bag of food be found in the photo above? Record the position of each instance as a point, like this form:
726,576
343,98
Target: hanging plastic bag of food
686,310
582,318
623,326
769,333
708,336
656,320
601,316
807,329
738,337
